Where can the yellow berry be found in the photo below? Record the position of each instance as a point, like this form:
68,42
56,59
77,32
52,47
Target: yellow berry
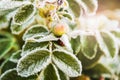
60,29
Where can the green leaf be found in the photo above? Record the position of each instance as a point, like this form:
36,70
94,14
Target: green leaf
5,46
89,63
76,44
15,56
7,65
66,15
4,22
116,33
45,38
34,31
107,43
12,75
63,76
33,62
89,46
24,13
67,63
90,6
7,6
58,46
75,7
19,28
14,48
6,41
72,25
30,46
49,73
112,64
98,69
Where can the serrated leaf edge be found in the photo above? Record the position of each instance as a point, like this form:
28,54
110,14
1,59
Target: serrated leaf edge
25,34
29,22
95,49
12,59
34,10
27,52
105,50
46,38
32,52
56,71
76,74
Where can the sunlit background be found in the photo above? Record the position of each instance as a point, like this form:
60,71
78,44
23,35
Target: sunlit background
110,8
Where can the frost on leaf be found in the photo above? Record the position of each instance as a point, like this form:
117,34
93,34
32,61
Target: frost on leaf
19,28
15,56
107,43
45,38
99,69
65,39
6,65
67,63
24,13
90,6
75,7
49,73
3,22
30,46
7,6
89,63
63,76
13,75
116,33
76,44
34,31
33,62
89,46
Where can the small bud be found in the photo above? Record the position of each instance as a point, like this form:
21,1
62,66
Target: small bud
59,2
46,10
60,29
42,12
